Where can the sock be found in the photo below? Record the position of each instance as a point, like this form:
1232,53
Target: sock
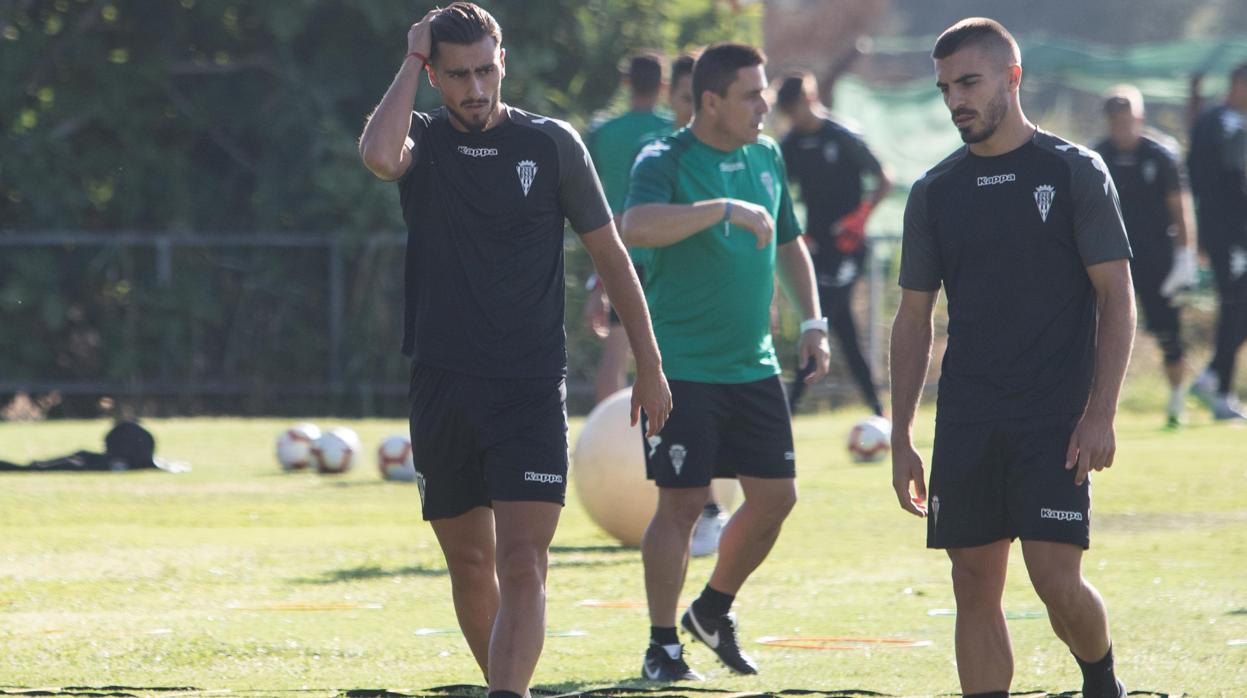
504,694
988,694
1177,402
713,603
1098,680
711,509
662,636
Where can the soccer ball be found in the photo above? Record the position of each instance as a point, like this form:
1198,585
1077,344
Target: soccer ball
294,446
335,451
870,439
394,459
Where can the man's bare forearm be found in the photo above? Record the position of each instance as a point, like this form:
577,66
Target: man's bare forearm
797,278
660,225
623,287
1179,205
910,357
1114,339
385,134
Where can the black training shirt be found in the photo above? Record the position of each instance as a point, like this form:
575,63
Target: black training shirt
1009,238
1144,178
829,165
1217,163
485,215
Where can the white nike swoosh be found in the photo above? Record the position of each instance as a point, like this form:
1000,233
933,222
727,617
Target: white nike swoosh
711,640
651,670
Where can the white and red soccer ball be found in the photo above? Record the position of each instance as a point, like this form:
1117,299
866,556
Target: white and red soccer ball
394,459
294,447
870,440
335,451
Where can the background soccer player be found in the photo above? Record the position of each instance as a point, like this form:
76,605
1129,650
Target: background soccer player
832,164
713,203
1217,163
485,189
1154,205
614,144
1023,231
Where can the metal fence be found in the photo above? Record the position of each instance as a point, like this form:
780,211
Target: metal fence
342,295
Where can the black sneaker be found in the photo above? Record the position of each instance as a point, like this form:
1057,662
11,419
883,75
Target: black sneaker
659,665
719,634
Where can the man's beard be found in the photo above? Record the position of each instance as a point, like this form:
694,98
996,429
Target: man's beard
992,118
475,123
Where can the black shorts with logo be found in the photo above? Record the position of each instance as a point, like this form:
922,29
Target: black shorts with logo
1006,479
479,440
722,430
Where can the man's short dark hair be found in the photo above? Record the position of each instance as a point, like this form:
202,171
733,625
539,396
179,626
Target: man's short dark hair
645,73
1239,74
792,88
978,31
716,69
1124,99
462,23
681,66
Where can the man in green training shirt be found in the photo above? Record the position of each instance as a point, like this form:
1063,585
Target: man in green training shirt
712,201
613,145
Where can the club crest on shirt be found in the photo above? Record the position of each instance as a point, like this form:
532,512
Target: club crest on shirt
831,151
769,182
1044,194
1149,171
527,170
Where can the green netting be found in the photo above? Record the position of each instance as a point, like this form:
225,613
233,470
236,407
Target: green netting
908,126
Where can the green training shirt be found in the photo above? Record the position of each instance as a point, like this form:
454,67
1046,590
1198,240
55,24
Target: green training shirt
710,294
613,144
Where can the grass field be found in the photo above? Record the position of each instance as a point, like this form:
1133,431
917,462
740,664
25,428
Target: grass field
205,579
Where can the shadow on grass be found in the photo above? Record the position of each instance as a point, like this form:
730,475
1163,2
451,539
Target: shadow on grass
364,572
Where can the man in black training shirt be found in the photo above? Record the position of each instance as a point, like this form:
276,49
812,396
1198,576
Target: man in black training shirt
485,189
830,163
1154,205
1023,231
1217,163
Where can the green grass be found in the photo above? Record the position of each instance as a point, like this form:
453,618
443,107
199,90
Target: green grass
151,579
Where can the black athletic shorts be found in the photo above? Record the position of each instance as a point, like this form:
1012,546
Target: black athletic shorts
1006,479
722,430
640,274
1161,317
480,440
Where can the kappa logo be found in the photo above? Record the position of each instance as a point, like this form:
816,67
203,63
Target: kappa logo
935,511
997,179
652,150
478,152
1058,515
527,170
1044,194
544,478
677,453
846,273
731,166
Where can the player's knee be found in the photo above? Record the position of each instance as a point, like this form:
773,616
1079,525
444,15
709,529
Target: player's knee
1170,347
680,508
522,566
975,584
469,566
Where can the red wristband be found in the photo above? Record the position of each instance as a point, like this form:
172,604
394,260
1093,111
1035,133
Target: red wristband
424,60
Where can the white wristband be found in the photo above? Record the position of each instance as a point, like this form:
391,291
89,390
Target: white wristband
818,323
